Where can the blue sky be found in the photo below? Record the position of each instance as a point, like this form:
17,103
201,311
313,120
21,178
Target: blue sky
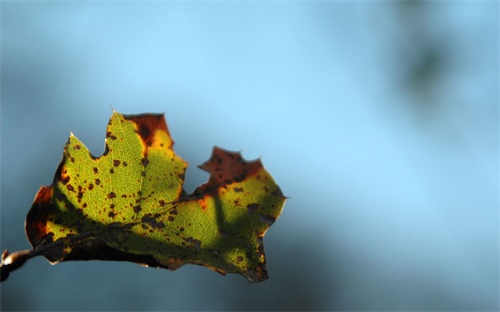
378,119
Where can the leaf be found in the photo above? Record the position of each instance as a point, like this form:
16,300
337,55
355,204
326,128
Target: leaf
129,205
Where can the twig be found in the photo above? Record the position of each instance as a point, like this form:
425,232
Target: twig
13,261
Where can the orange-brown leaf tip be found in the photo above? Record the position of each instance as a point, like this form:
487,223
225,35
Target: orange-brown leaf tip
152,129
44,195
226,167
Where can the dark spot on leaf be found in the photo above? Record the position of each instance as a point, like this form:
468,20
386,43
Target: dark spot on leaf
173,212
111,214
112,206
240,258
70,187
116,162
95,170
80,194
181,176
170,218
252,207
181,229
72,159
111,195
267,219
77,146
144,132
238,189
149,220
162,203
84,205
196,243
144,161
65,180
242,176
91,186
111,171
97,181
125,164
137,209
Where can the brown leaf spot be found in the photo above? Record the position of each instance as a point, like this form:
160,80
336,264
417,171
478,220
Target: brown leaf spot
70,187
202,203
147,125
116,162
91,187
267,219
149,220
79,196
137,208
111,195
97,181
144,161
252,207
96,170
196,243
238,189
65,179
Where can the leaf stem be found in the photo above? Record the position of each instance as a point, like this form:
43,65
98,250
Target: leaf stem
13,261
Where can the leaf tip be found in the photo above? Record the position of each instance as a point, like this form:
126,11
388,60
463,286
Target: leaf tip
226,167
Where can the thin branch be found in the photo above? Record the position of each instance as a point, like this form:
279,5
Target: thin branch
13,261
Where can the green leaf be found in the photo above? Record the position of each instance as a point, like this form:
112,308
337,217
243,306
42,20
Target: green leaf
129,204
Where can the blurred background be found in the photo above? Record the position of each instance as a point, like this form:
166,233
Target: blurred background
378,119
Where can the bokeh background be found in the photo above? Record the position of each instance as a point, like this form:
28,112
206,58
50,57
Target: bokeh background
378,119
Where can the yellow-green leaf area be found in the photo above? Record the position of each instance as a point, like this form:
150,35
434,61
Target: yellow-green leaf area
129,204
